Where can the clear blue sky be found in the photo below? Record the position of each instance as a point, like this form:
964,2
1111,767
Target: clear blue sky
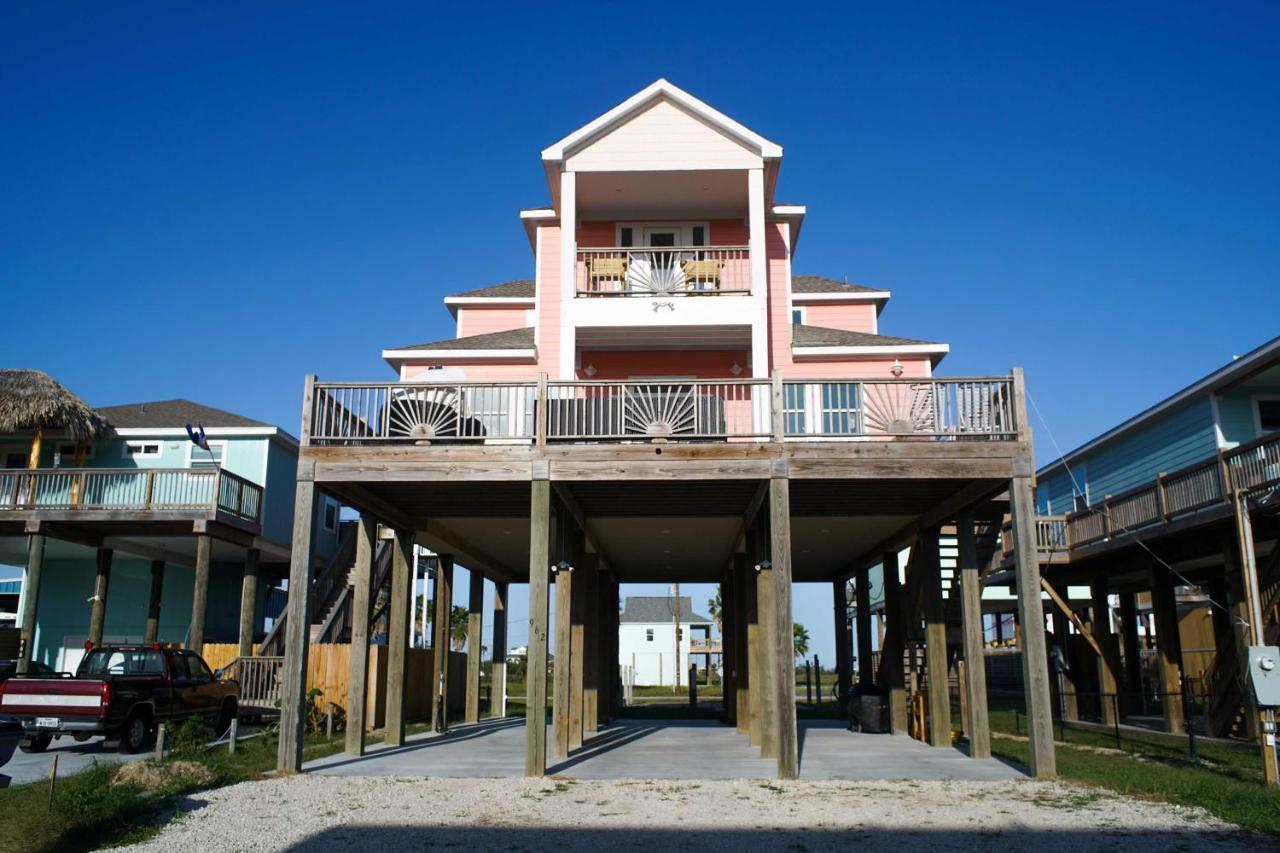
211,200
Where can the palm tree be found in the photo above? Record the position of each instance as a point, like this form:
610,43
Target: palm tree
801,636
458,627
716,608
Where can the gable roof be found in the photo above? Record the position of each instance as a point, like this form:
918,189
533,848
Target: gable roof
521,288
820,284
515,339
171,414
661,89
659,609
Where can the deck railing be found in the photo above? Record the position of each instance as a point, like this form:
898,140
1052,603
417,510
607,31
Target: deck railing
114,489
1208,483
667,271
345,413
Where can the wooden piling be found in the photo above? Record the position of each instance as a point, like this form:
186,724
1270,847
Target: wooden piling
973,685
101,586
248,601
200,593
475,627
535,745
361,595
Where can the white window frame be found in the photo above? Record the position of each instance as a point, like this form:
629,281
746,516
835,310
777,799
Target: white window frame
191,448
803,312
685,230
1257,411
142,443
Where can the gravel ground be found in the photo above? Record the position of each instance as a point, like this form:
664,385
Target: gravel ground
342,813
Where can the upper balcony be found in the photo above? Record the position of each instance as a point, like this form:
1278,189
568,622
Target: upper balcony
663,271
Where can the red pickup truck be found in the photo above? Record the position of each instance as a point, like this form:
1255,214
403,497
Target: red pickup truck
121,692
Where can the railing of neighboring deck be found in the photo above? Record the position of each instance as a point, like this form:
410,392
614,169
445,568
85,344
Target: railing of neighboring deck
355,414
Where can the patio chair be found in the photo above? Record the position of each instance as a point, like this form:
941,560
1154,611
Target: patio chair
607,274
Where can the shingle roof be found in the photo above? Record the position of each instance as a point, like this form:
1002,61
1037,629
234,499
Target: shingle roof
659,609
511,339
173,413
821,336
521,288
818,284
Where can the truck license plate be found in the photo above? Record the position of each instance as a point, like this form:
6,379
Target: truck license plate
48,723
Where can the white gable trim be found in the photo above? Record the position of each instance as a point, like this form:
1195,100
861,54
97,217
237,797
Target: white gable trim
661,88
841,296
458,354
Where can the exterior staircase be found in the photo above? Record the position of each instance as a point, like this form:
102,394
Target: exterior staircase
1227,699
328,586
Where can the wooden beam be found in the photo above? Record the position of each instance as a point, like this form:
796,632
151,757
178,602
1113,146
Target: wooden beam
1070,613
248,602
444,541
862,599
152,630
367,502
200,593
788,739
475,627
293,696
1108,659
893,678
398,615
935,636
577,644
562,670
974,688
1169,648
1035,667
535,743
441,641
358,672
755,642
30,598
593,644
498,678
101,587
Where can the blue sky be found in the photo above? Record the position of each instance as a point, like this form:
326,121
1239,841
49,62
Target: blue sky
209,201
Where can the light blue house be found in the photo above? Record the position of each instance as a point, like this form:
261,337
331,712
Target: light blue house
145,515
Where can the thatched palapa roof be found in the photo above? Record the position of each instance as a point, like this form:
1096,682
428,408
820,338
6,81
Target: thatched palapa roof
30,399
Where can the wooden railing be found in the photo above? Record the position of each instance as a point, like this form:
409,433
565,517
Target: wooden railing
1207,483
344,413
665,272
1051,535
259,679
105,490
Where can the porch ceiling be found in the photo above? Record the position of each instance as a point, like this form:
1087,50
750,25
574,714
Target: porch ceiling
642,195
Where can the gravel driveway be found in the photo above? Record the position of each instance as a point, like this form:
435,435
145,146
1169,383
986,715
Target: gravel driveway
344,813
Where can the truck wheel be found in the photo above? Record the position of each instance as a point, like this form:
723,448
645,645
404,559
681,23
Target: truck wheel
36,743
135,734
223,722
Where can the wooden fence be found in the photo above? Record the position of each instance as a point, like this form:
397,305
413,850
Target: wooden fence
329,666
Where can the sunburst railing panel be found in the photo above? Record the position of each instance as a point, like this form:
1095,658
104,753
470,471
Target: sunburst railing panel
664,272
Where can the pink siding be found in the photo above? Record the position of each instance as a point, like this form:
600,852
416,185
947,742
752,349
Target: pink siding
701,364
483,319
548,335
850,316
604,234
776,238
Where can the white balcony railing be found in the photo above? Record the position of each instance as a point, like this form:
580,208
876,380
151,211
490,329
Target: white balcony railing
345,413
674,271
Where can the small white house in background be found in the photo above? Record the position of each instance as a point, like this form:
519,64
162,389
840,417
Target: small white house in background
647,638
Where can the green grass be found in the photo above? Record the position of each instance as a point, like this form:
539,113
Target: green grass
1227,780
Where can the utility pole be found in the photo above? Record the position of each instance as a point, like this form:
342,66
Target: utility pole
677,612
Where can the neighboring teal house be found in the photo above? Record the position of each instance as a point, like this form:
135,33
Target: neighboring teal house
1234,405
142,500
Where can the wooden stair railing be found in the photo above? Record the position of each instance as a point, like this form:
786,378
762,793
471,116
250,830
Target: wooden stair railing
273,643
1226,694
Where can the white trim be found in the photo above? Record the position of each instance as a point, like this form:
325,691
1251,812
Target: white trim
158,443
759,274
182,431
539,288
538,213
885,349
803,314
457,354
568,269
33,700
844,296
221,461
1216,380
788,210
1257,411
489,300
1220,439
661,88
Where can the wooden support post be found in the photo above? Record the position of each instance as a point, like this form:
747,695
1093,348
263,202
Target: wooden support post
1241,616
727,650
1068,693
1264,719
200,593
590,643
974,684
862,600
30,598
1165,609
535,743
935,634
475,627
787,741
1035,665
101,586
293,694
1132,687
249,601
577,643
562,668
152,631
742,654
441,641
399,613
1108,659
844,643
361,595
498,675
893,677
764,695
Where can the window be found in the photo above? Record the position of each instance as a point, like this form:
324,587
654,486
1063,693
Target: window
330,515
141,449
648,635
840,408
698,235
793,420
198,457
15,460
1268,413
65,454
122,662
625,238
797,316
